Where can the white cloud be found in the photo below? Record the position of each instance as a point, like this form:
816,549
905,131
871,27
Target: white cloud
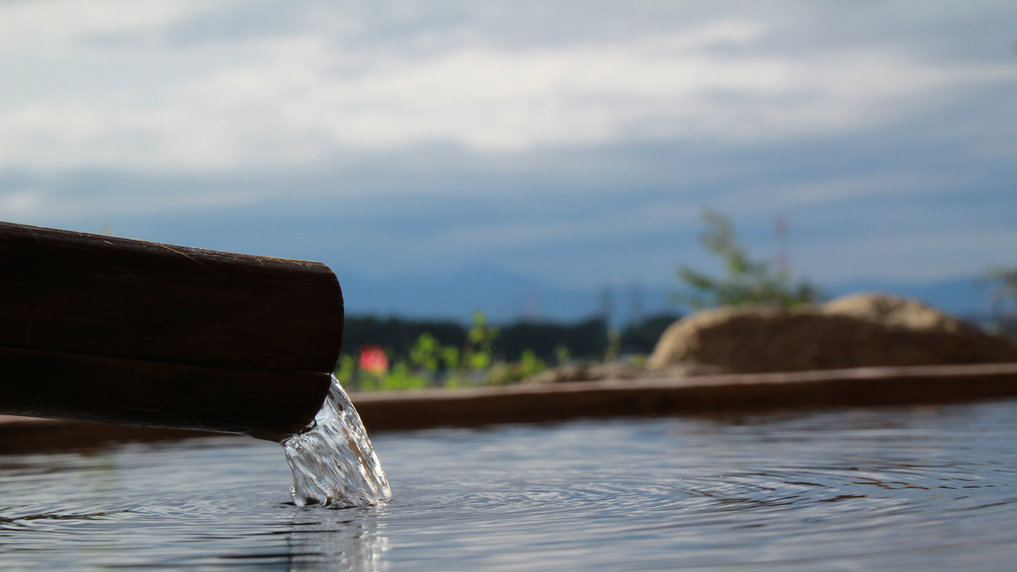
303,98
833,190
21,204
57,26
912,255
34,205
148,97
650,219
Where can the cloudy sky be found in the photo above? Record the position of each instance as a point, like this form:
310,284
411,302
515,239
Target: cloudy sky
570,143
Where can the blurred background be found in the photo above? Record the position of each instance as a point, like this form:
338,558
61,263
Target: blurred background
543,161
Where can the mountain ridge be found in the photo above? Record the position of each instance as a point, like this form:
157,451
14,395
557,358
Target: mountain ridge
507,297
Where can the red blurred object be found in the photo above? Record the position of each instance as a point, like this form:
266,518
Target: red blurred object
373,359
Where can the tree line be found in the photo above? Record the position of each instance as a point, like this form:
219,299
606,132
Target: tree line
587,339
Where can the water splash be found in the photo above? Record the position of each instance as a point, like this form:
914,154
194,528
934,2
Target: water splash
332,460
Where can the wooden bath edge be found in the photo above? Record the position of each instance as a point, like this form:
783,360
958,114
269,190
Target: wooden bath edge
650,396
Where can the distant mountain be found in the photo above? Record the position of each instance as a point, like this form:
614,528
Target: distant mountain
958,296
503,296
507,297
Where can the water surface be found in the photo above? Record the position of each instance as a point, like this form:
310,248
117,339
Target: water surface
854,489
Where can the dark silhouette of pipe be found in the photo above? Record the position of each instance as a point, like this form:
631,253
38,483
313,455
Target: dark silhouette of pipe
113,330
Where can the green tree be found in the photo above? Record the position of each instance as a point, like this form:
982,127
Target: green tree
745,281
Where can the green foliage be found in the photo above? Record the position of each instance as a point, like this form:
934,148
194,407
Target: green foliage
422,370
425,352
400,378
450,357
613,345
501,373
498,374
396,335
479,359
429,360
454,382
585,339
1003,282
479,342
561,353
530,364
745,281
344,371
368,381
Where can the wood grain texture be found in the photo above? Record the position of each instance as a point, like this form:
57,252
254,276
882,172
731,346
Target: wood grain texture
137,319
116,297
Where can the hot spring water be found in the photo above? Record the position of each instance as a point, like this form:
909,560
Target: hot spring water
905,488
332,461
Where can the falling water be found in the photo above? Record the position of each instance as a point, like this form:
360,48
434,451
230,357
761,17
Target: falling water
332,460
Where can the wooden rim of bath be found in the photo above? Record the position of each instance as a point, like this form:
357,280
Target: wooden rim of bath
699,395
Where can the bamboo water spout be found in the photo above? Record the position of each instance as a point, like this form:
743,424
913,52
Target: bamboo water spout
114,330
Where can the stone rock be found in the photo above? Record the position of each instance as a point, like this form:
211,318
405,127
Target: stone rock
895,311
860,330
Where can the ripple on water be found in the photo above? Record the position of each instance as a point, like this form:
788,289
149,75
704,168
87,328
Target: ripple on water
903,488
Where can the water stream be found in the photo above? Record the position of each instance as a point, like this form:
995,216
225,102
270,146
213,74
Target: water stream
333,462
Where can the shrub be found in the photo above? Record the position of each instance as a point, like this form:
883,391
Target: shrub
746,281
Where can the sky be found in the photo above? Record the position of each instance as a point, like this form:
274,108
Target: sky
566,144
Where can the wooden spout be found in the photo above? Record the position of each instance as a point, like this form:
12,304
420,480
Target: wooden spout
113,330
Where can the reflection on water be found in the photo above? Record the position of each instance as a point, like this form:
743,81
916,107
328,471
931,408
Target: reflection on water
337,541
890,488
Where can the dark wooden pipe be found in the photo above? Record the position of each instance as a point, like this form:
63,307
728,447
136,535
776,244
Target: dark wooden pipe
113,330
